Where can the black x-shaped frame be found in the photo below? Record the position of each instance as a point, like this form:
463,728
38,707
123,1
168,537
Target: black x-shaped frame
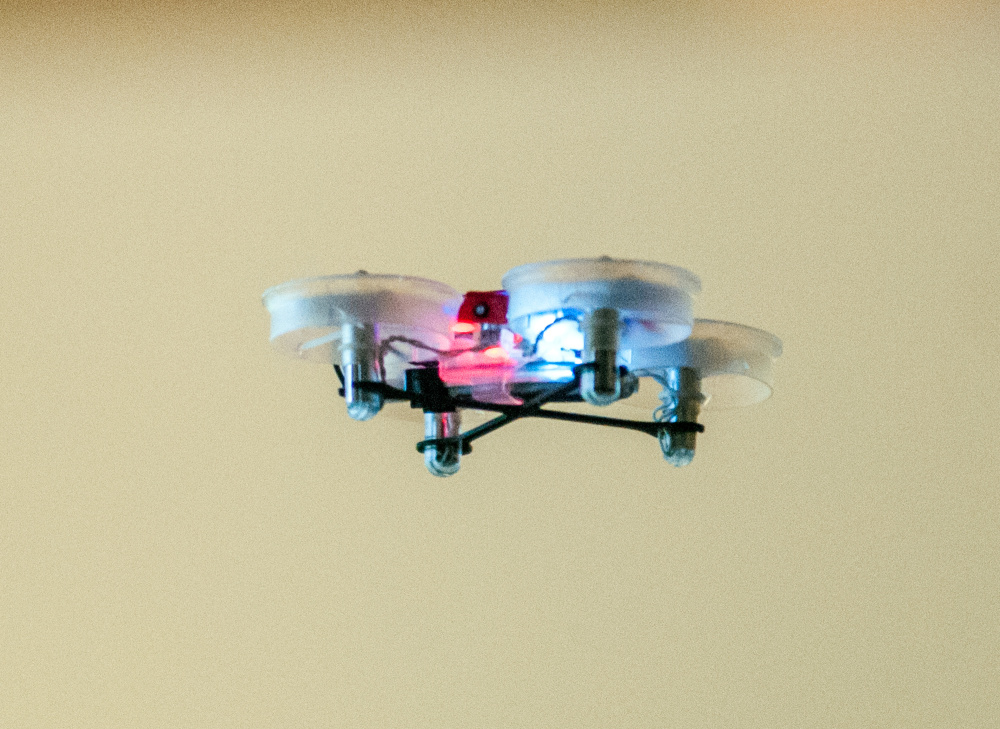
424,389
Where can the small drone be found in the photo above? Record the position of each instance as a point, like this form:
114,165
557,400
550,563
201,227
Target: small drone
589,330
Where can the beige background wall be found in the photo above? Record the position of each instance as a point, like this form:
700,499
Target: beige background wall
192,533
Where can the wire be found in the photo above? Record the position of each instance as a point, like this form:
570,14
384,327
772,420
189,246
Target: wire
534,347
386,346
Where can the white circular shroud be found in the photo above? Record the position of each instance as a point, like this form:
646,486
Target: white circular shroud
654,300
307,316
735,362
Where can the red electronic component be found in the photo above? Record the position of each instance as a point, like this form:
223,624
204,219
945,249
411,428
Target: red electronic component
484,307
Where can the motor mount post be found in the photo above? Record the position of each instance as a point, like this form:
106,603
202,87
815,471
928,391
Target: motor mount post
600,381
359,363
443,457
682,400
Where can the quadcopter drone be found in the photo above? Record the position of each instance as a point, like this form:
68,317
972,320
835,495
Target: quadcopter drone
590,331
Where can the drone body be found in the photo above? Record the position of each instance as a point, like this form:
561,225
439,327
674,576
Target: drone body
582,330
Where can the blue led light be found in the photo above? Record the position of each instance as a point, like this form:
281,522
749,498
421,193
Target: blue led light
541,371
554,336
553,344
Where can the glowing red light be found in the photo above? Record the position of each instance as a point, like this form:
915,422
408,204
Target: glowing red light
495,353
461,327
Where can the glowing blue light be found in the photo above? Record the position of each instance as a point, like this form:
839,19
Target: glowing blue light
540,371
552,346
554,336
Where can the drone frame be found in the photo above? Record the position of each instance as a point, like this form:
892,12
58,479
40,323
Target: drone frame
633,320
424,389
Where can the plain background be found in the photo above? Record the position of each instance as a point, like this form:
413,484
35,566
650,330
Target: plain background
193,534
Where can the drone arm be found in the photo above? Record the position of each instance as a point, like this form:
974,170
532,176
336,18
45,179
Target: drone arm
532,408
